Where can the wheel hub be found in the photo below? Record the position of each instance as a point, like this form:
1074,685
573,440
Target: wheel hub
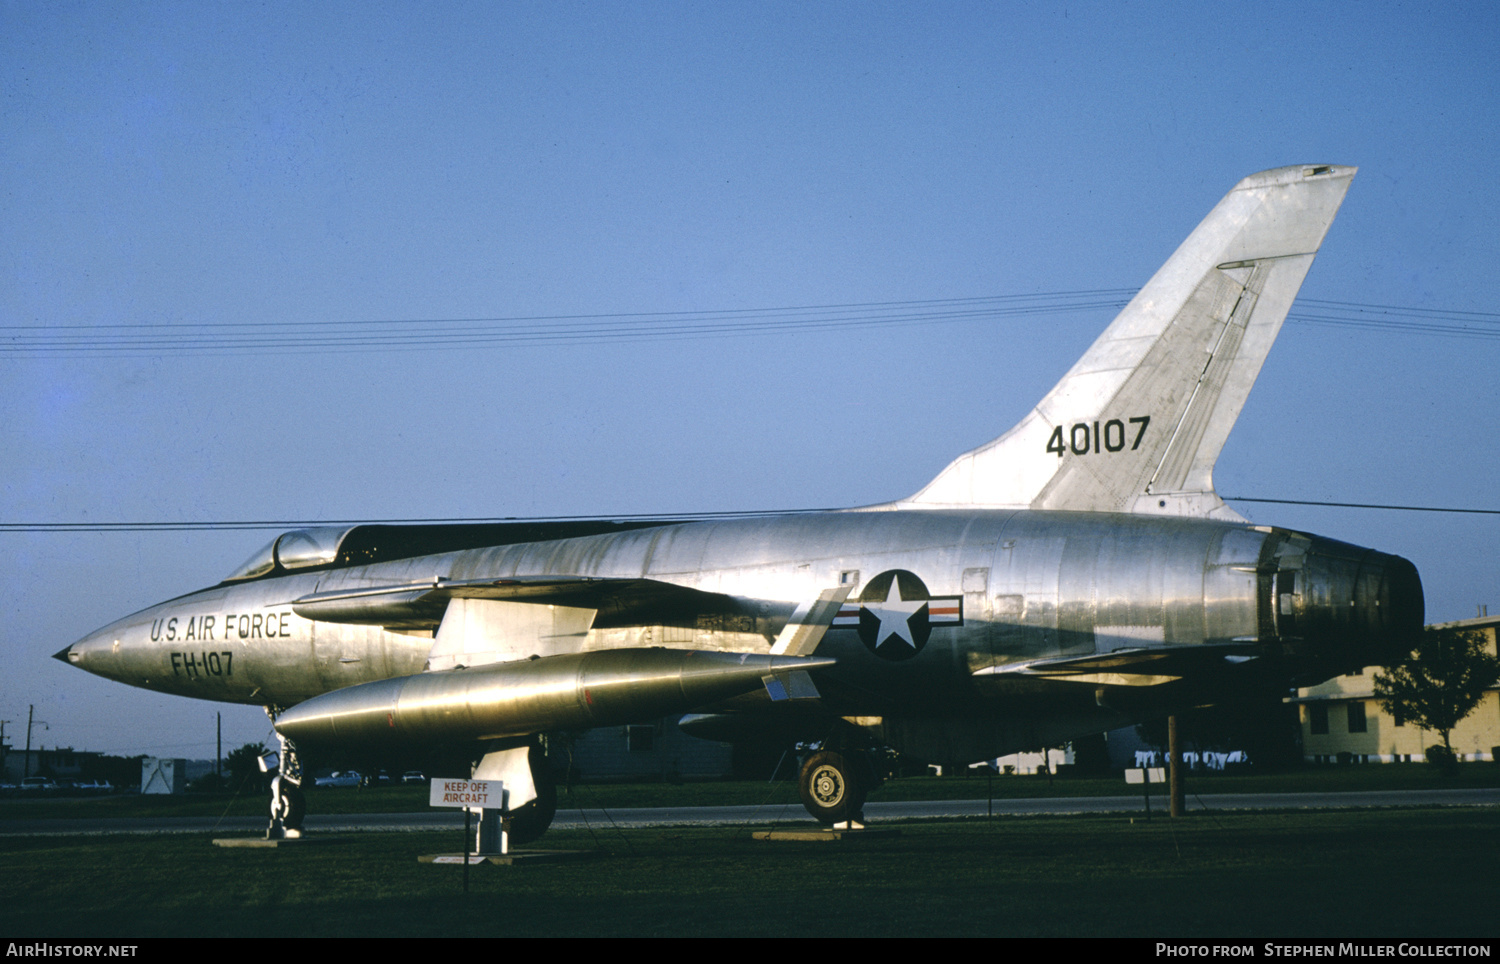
827,786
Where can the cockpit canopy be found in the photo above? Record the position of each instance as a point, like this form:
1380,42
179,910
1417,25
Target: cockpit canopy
338,546
298,549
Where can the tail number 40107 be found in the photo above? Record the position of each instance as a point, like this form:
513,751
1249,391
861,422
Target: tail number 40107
1083,438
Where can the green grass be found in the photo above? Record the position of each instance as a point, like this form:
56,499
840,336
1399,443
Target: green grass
1367,873
401,799
1325,779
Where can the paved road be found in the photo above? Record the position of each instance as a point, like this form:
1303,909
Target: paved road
781,815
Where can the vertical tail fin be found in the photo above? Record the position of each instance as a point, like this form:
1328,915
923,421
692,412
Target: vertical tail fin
1139,421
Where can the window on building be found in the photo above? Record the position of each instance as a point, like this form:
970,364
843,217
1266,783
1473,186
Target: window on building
1317,717
1357,717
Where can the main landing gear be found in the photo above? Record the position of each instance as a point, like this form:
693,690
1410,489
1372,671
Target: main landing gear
834,785
530,788
529,821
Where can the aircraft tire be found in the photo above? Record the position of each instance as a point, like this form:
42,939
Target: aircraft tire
833,787
530,821
291,807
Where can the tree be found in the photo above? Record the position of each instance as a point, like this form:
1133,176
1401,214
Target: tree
1440,682
244,768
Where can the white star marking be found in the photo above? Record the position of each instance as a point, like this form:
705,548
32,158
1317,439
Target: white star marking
894,614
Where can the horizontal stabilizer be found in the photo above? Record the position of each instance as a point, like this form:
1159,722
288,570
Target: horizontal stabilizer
1139,421
1141,666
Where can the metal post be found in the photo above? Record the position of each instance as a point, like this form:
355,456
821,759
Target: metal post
1174,760
30,720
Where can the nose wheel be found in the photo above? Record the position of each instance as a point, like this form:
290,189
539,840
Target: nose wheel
288,805
834,787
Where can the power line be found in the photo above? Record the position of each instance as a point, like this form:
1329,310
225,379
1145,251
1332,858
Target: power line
856,305
1432,321
1365,505
429,334
283,524
441,333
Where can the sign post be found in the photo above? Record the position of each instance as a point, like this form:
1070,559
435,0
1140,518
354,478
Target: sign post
487,797
1146,776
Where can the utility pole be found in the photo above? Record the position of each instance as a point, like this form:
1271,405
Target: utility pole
30,720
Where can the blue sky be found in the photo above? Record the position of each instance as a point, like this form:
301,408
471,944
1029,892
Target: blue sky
229,163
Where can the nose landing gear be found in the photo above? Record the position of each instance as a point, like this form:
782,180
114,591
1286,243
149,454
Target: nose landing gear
288,808
288,805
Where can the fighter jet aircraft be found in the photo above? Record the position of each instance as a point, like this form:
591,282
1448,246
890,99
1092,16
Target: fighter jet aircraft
1076,574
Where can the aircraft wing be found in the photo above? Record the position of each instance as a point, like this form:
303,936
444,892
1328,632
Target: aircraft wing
506,662
421,605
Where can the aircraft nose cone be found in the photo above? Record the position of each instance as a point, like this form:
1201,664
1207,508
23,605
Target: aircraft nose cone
94,653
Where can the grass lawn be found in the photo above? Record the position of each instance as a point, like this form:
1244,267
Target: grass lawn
1353,874
403,799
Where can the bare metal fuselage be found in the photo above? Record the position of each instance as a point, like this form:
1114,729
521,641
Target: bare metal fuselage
1223,608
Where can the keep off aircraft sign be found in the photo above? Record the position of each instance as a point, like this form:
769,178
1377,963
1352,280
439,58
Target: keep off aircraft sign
478,794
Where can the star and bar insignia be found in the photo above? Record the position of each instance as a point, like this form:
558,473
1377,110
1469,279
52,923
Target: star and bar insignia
895,614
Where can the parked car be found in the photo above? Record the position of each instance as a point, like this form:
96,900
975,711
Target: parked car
339,778
413,776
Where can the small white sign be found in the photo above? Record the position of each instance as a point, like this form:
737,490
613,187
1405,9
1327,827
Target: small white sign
473,794
1143,775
